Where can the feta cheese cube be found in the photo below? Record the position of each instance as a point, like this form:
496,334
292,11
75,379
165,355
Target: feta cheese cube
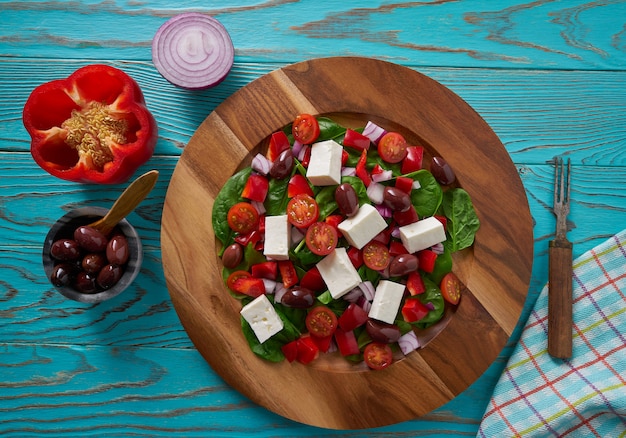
325,163
338,273
387,300
363,226
262,317
422,234
277,237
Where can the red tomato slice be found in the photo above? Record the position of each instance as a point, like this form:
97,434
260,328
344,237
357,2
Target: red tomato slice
321,321
451,288
376,256
321,238
298,184
243,217
392,147
278,144
245,284
302,210
230,281
377,356
305,129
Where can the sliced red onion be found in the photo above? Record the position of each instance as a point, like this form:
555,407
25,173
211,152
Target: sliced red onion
348,171
408,342
375,192
373,132
260,208
385,175
353,295
296,148
384,211
261,164
368,290
270,285
193,51
437,248
296,235
365,304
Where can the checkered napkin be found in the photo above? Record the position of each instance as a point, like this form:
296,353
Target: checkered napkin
585,396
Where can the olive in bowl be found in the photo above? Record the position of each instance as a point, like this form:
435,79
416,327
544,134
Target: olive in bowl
85,265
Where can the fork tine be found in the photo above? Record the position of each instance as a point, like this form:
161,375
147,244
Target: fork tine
557,163
569,174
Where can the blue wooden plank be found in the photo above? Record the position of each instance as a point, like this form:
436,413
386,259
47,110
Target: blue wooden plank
574,33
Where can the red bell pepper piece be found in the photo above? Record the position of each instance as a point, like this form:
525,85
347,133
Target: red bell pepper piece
298,184
290,350
256,188
334,220
322,342
313,280
346,341
354,316
356,140
278,144
267,270
307,350
361,171
427,260
356,257
397,248
405,184
413,310
415,284
403,218
93,126
413,160
288,273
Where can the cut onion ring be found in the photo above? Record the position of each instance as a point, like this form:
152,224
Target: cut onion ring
193,51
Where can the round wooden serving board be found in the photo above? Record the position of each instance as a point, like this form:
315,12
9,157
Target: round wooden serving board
496,270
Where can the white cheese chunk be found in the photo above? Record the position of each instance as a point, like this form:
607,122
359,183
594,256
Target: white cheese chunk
338,273
387,301
325,163
422,234
262,317
277,237
363,226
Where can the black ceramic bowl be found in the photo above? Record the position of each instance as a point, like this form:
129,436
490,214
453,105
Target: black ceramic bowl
64,228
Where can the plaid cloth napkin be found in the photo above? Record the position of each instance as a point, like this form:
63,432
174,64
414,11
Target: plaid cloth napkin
585,396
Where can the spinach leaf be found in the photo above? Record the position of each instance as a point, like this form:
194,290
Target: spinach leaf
228,196
462,219
276,200
330,130
325,199
431,295
429,196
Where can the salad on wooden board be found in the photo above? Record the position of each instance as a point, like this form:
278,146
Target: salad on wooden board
339,239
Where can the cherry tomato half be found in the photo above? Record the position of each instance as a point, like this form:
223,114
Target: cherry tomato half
451,288
243,217
321,321
376,255
392,147
321,238
305,129
302,210
377,356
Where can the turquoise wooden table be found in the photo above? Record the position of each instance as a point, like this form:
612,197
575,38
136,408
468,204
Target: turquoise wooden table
548,76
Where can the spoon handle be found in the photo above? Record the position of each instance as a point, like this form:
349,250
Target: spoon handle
128,200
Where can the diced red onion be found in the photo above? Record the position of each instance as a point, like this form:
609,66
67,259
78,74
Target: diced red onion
260,208
437,248
261,164
296,235
332,347
353,295
279,292
193,51
375,192
296,148
302,152
348,171
383,210
373,132
416,185
365,304
270,285
395,232
408,342
368,290
429,305
385,175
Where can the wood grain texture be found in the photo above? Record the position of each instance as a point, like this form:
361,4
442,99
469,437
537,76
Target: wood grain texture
496,270
547,76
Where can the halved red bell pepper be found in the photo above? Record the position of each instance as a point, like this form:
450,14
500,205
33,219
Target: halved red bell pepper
92,127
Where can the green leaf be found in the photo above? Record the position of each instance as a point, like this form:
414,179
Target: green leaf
428,197
431,295
277,200
463,222
228,196
330,130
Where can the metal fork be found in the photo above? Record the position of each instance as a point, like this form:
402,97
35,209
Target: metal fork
560,269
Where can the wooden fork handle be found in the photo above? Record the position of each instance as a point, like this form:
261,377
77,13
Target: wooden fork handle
560,325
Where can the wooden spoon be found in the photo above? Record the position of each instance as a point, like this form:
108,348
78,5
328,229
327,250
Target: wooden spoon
128,200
